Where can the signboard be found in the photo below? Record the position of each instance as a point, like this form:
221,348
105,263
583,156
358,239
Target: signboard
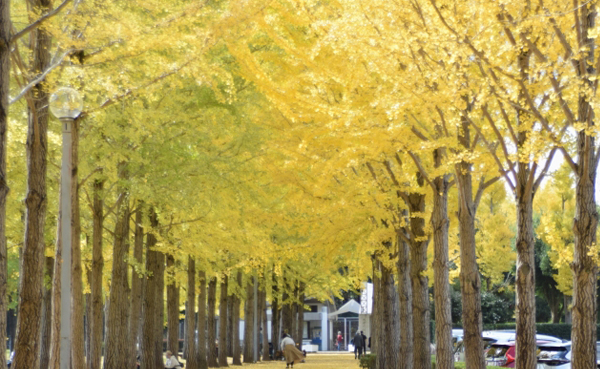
366,299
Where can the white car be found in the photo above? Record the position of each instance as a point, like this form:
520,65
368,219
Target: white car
490,337
554,356
558,356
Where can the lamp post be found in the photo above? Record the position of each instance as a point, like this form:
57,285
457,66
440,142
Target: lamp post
66,105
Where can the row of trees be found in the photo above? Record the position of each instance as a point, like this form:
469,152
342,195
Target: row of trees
242,136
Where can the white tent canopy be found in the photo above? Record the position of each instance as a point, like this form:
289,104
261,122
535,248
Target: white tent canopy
350,307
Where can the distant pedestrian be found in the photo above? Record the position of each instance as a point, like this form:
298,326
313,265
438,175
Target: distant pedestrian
339,340
364,342
359,344
172,362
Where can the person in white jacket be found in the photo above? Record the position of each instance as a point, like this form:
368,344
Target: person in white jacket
172,362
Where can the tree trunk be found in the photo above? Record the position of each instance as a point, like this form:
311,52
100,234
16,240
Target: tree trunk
258,315
275,311
387,329
419,281
555,310
376,329
567,307
160,304
237,349
212,329
248,323
230,327
470,282
294,310
149,336
525,278
585,269
47,314
223,323
88,314
117,339
443,315
286,312
5,34
202,362
77,307
265,334
29,316
190,316
136,285
300,324
96,283
172,307
405,296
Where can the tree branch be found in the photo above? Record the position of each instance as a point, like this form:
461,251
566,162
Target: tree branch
39,21
417,161
40,77
538,181
493,153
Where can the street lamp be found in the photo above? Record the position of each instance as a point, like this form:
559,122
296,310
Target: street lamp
66,105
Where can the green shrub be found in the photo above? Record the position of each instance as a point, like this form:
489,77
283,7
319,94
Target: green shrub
368,361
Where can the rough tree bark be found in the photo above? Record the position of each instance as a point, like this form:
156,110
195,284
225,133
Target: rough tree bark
172,307
47,314
223,323
294,311
257,332
248,326
202,362
27,343
300,324
525,279
136,284
97,270
160,305
212,329
275,314
439,222
387,328
419,281
5,34
230,302
286,312
585,269
237,349
88,313
149,336
265,333
405,295
190,316
470,281
117,339
567,303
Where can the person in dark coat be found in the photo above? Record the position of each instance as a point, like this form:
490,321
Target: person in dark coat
364,342
359,344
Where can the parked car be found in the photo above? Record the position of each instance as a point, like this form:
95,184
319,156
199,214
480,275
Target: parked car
558,356
10,359
503,353
555,356
491,337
